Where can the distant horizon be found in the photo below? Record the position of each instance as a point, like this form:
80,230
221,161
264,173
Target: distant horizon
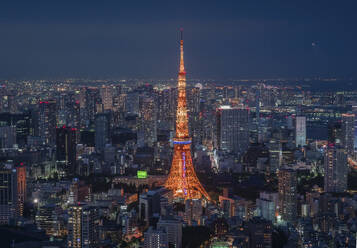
230,39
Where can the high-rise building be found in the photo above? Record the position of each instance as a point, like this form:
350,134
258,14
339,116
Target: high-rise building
155,238
275,155
82,227
348,133
173,228
47,122
147,130
336,169
106,93
102,126
300,131
66,148
8,194
46,219
193,212
233,129
182,180
21,188
287,190
260,233
23,123
7,136
92,100
334,132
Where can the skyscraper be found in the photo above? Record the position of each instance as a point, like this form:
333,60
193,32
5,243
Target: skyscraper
336,169
47,122
147,130
348,133
155,238
287,190
82,227
173,228
8,194
66,148
102,126
106,93
260,233
275,155
182,179
300,131
233,129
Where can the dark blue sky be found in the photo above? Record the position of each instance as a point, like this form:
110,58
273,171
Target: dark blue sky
223,38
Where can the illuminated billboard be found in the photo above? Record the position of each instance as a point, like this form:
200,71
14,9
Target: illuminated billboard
142,174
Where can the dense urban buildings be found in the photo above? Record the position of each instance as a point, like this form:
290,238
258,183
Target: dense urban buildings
210,161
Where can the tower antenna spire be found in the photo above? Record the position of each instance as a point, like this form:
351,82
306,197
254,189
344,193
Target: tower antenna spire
181,33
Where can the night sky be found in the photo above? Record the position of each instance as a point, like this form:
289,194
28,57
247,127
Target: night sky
223,39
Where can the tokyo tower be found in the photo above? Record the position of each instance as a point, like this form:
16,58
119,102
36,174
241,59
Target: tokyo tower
182,179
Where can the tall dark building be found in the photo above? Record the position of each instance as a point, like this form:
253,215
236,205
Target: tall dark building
66,148
8,194
47,122
336,169
82,227
92,99
348,130
287,191
102,126
334,132
233,129
23,123
260,233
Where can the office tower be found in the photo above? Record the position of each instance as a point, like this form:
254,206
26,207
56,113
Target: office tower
92,100
275,155
7,136
182,180
267,204
106,93
21,188
348,133
46,219
82,227
155,238
47,122
287,190
147,130
260,233
102,126
334,132
23,123
336,169
233,129
173,228
8,194
167,102
66,148
193,212
149,204
132,102
300,131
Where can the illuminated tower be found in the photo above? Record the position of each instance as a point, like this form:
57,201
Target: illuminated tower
182,179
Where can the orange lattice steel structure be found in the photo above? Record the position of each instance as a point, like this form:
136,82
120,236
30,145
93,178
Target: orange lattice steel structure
182,179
